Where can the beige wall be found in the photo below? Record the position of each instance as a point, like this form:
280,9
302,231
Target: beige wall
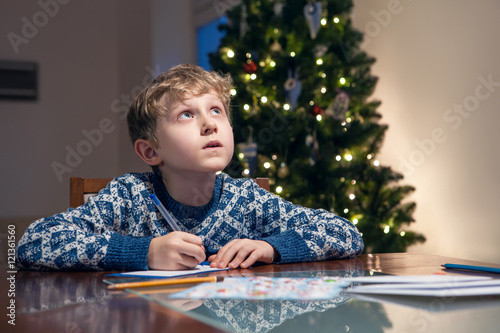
432,58
91,55
94,55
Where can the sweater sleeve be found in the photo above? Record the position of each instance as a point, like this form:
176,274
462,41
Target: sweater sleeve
95,236
303,234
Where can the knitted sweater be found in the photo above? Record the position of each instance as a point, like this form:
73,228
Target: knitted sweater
113,230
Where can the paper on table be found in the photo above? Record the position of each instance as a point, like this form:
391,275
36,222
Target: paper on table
429,303
450,288
415,278
200,269
267,288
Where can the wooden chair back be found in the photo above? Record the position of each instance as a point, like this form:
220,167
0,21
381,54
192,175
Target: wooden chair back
81,188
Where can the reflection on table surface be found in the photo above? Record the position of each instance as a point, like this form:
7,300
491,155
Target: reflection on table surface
345,313
80,302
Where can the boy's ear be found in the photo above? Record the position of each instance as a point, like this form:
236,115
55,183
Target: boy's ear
145,150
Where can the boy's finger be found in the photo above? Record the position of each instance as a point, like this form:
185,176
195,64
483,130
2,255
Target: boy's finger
224,256
188,262
193,251
190,238
244,255
236,255
250,260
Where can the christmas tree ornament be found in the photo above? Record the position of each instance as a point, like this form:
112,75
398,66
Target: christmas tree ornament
275,47
317,110
278,8
339,106
312,12
250,67
283,170
249,151
320,50
243,23
293,88
312,143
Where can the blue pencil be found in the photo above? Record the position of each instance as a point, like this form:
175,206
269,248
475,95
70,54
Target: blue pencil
472,268
165,214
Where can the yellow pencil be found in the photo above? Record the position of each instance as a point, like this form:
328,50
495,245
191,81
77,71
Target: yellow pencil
164,282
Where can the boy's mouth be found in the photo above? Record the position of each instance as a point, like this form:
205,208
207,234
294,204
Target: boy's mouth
213,144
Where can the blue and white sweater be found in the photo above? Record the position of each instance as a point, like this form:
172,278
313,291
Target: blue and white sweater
113,230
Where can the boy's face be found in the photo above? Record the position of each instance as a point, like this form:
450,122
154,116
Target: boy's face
195,136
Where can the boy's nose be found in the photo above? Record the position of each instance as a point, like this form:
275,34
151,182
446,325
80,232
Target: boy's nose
209,127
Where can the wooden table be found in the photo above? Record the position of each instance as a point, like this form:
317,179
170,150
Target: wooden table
80,302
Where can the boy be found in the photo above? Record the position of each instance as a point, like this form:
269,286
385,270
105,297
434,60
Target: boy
180,126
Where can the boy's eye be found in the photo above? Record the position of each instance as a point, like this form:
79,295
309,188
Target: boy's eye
216,111
185,115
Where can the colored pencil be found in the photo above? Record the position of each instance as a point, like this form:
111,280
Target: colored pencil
164,282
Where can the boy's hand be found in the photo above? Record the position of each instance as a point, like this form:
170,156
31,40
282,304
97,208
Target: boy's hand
176,250
243,253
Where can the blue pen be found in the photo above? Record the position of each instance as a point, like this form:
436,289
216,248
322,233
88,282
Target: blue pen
472,268
165,214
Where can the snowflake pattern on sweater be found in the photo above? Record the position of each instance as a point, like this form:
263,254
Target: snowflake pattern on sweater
113,230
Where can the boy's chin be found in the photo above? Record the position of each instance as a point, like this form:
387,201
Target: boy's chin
216,170
217,167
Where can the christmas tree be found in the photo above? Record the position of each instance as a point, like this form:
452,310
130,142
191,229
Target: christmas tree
302,117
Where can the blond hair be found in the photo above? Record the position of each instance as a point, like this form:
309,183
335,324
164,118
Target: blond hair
177,84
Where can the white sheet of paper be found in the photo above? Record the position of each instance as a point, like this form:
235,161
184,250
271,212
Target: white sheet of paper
434,278
200,269
436,289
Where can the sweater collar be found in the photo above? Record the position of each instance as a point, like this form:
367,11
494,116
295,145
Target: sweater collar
182,212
